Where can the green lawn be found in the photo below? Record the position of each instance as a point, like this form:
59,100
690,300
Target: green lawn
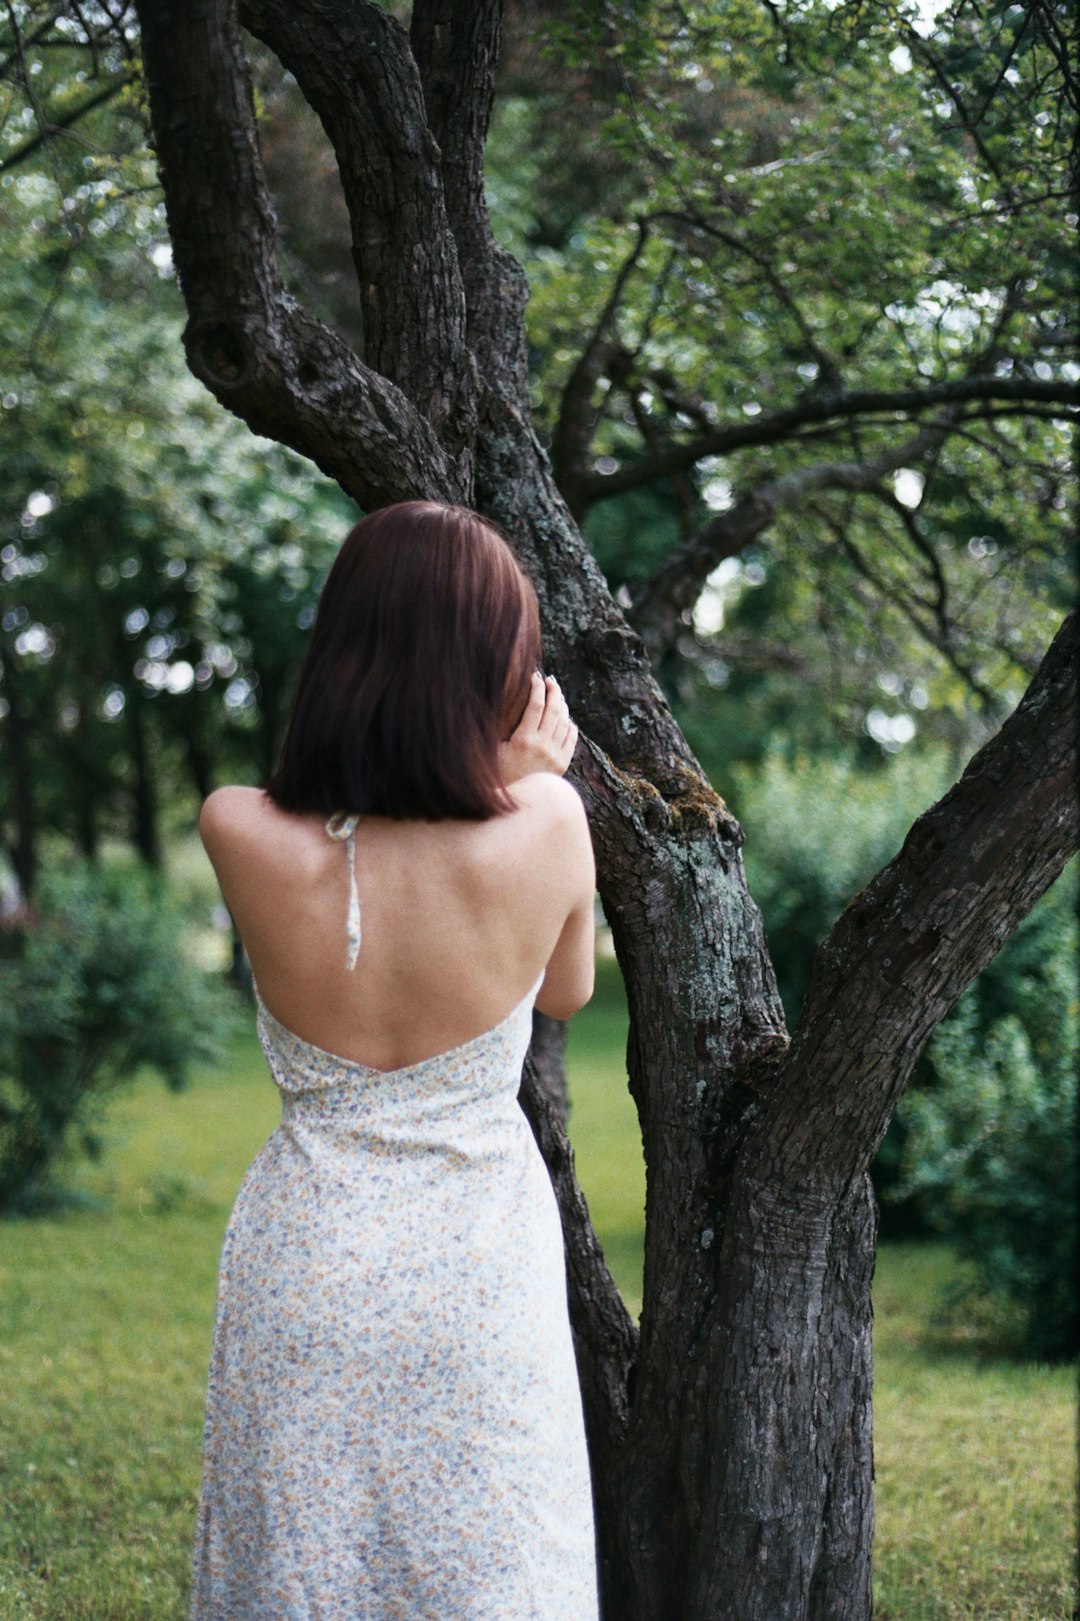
105,1319
975,1461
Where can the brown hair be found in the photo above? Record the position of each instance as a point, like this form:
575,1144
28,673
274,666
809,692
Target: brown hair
424,643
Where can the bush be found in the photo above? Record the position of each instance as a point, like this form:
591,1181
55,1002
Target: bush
96,987
991,1149
816,832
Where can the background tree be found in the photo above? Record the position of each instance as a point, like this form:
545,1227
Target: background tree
149,546
730,1440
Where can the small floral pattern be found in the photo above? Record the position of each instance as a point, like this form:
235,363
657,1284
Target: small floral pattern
393,1426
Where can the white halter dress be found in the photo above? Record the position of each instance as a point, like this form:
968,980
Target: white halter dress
393,1424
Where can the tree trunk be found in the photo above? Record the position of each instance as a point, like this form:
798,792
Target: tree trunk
89,786
200,758
548,1050
730,1437
24,853
145,833
86,826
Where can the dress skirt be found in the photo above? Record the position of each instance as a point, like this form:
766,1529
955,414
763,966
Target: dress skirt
394,1424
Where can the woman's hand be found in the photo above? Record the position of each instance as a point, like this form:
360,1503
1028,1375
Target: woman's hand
545,737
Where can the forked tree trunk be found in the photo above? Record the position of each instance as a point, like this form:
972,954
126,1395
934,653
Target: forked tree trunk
730,1437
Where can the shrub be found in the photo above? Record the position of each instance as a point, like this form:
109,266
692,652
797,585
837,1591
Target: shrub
817,831
991,1149
95,987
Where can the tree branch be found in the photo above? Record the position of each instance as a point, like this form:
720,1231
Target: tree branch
920,48
939,638
605,1335
921,543
64,121
829,370
265,358
456,45
1061,48
19,57
354,66
23,42
820,408
574,429
683,489
969,871
658,605
606,1341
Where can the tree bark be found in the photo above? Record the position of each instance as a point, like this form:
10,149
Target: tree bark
730,1436
548,1052
794,1249
287,375
605,1338
351,60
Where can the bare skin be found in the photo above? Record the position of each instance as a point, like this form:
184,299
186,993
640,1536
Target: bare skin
459,919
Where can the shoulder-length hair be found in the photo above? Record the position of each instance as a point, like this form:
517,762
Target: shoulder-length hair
423,647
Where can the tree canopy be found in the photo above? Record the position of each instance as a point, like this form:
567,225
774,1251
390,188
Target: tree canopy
799,329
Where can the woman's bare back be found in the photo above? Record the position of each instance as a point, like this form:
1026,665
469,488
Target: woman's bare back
459,918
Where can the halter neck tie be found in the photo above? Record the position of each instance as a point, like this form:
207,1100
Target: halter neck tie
342,829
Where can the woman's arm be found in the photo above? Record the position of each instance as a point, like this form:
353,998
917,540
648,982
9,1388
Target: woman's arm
571,970
534,759
568,856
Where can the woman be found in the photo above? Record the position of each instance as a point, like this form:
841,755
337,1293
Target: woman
393,1419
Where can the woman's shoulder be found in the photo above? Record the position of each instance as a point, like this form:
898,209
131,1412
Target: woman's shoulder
233,810
550,797
553,811
238,821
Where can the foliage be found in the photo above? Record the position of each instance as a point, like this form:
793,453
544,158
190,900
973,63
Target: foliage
813,200
817,829
991,1150
158,565
829,195
93,988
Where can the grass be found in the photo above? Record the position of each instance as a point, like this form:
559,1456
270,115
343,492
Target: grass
105,1323
604,1130
975,1462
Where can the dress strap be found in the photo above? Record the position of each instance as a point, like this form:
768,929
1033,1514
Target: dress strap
343,829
